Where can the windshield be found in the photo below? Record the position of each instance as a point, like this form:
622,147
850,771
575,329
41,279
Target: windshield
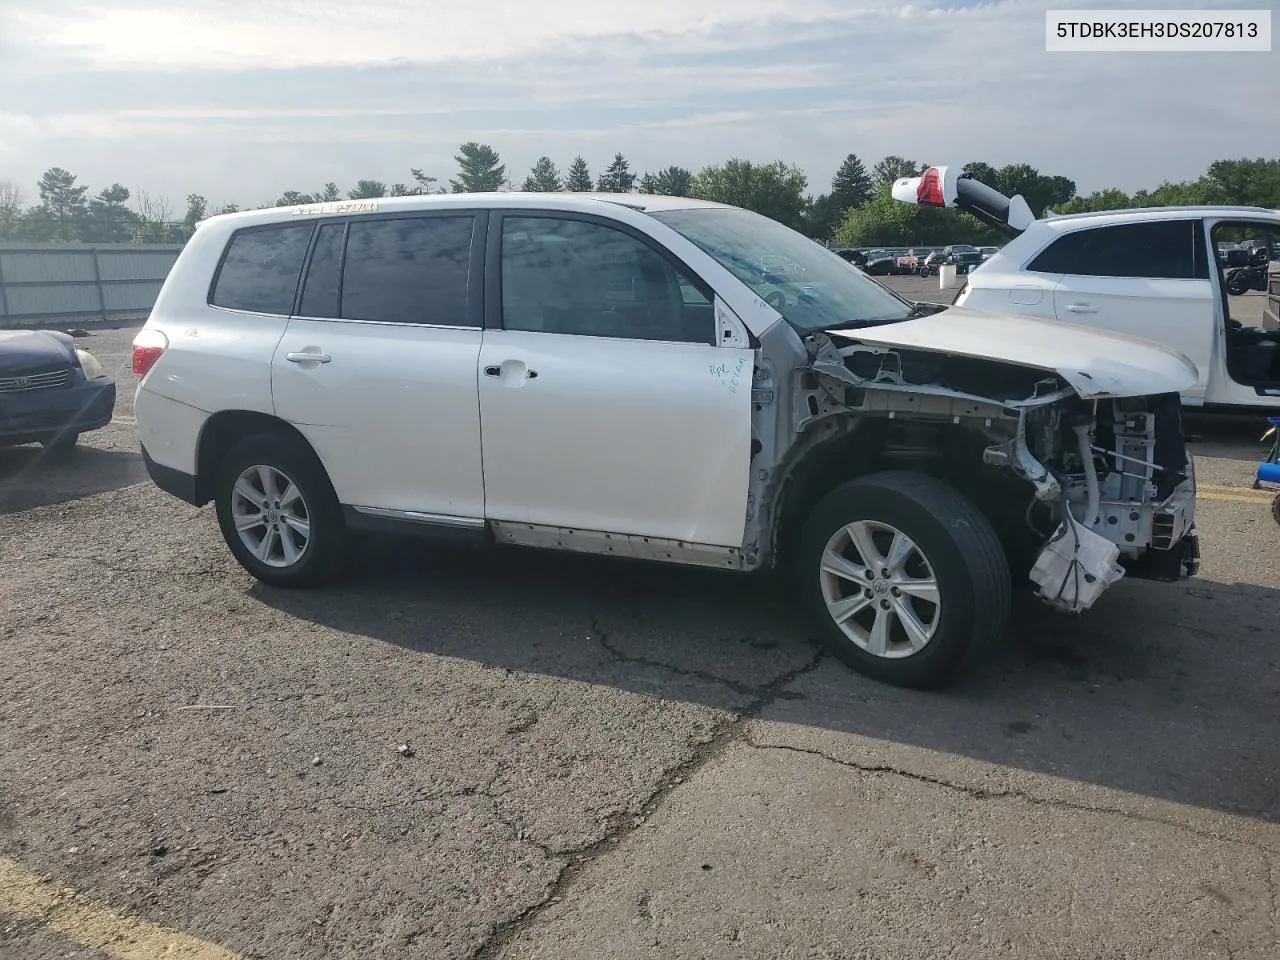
808,284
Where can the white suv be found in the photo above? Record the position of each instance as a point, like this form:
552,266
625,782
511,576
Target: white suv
657,378
1155,273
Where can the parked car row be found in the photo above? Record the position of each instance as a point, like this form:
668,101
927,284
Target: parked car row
925,261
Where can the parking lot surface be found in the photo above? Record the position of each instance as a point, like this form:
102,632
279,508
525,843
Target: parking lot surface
512,754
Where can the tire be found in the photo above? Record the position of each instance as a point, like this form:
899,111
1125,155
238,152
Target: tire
279,459
61,445
1237,283
958,546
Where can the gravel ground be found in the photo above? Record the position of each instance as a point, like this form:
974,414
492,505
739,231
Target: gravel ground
468,754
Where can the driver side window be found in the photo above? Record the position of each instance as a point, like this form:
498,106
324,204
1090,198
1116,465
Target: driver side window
577,277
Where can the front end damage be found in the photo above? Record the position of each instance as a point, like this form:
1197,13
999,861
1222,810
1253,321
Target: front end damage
1084,491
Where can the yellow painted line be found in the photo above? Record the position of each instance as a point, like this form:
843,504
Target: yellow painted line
1261,496
60,908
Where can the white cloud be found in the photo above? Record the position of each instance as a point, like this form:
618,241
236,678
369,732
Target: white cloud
205,34
179,97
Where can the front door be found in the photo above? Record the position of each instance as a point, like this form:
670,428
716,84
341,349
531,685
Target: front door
604,404
378,369
1248,254
1148,280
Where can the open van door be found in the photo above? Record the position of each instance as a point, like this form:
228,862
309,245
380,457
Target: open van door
953,187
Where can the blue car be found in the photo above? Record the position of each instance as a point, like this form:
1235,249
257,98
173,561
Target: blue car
50,391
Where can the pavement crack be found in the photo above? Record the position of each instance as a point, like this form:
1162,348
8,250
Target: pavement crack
726,732
602,637
984,793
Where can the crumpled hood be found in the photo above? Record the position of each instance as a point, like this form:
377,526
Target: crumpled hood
1095,363
24,349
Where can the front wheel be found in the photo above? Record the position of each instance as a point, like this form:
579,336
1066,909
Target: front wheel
278,512
906,578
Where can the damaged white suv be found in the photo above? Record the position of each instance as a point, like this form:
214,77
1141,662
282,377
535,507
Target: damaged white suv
658,378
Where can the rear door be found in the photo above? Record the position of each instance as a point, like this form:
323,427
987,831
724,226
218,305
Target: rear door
1148,280
377,368
605,404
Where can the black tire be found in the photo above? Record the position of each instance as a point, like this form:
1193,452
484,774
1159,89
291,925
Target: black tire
959,543
323,558
61,445
1237,283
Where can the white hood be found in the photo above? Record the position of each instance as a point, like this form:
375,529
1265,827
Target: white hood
1095,363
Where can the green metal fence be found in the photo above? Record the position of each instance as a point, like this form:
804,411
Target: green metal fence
67,283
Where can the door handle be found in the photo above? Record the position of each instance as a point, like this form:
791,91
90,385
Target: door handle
492,371
308,357
1081,308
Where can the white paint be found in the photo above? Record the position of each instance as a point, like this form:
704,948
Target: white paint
628,436
169,429
1162,311
1094,363
394,416
1182,315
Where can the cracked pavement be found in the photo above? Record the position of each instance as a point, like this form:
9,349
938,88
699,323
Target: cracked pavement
609,759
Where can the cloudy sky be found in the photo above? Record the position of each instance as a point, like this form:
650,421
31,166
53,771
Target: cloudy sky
243,99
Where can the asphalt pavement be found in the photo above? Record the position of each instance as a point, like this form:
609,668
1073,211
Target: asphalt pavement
465,753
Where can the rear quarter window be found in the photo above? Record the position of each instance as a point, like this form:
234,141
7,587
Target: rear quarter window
259,271
1160,249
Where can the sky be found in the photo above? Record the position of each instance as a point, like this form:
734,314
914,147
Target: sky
240,100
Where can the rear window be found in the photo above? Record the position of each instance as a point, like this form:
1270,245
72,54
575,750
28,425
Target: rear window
260,270
402,270
1159,249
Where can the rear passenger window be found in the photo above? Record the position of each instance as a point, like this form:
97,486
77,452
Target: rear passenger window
411,270
320,294
260,270
1161,250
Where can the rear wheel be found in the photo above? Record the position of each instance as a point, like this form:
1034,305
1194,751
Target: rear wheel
278,512
906,578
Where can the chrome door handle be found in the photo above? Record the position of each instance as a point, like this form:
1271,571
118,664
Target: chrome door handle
308,357
1081,308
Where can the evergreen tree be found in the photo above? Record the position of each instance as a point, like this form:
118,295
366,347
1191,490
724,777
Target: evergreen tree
544,178
671,182
478,169
579,179
368,190
62,204
851,186
617,177
109,219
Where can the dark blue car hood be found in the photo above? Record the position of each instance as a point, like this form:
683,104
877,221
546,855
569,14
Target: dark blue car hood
24,349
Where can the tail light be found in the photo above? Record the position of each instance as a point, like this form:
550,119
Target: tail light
148,345
929,193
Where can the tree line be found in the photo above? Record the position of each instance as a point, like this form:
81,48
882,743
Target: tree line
857,209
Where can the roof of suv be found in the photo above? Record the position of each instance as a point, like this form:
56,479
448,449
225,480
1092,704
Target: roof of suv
581,202
1131,214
